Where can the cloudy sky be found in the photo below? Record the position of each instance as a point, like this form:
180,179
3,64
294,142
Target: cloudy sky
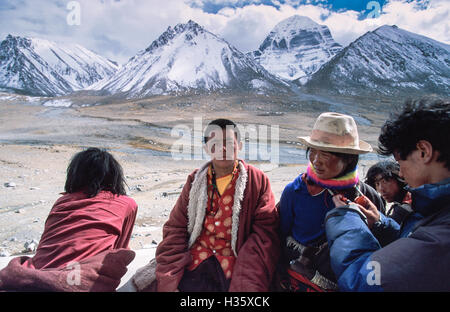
118,29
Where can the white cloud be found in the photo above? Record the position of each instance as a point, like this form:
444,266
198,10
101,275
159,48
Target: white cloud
116,29
247,27
434,22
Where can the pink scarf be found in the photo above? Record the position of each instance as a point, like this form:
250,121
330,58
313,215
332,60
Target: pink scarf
349,180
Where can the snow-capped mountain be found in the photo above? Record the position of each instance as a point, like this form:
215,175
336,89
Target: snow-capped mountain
187,58
389,61
41,67
296,48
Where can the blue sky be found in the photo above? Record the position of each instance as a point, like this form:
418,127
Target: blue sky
361,6
335,5
118,29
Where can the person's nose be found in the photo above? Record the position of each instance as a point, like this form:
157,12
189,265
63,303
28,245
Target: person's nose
316,160
224,146
400,173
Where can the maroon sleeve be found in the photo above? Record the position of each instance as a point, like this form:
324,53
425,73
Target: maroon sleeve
257,258
172,254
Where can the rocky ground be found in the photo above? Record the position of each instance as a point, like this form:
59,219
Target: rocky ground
37,143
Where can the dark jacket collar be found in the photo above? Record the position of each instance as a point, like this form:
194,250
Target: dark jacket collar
429,198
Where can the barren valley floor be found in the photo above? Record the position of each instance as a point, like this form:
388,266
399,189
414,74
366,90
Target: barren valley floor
37,143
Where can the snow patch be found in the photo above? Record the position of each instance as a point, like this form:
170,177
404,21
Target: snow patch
58,103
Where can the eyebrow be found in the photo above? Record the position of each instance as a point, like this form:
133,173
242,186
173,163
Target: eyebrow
325,153
217,140
384,177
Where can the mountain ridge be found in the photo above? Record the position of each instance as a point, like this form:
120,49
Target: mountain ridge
187,58
397,62
42,67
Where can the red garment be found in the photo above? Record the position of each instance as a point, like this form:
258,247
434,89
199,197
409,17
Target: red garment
300,283
79,227
407,199
257,244
215,239
100,273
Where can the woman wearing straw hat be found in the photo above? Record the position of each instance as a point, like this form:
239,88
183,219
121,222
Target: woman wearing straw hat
333,149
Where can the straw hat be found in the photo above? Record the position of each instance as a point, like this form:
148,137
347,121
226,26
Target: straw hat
335,132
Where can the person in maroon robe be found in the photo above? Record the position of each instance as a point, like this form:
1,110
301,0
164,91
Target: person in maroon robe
92,217
222,232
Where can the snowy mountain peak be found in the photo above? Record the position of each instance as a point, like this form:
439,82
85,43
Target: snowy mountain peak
292,25
192,27
399,35
296,48
297,22
185,58
297,31
42,67
15,41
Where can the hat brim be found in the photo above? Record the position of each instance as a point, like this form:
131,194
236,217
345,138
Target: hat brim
364,147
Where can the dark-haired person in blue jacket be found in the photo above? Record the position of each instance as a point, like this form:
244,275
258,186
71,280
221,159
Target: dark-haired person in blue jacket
371,252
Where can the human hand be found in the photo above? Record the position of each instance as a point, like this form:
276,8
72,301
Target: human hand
364,204
368,209
340,200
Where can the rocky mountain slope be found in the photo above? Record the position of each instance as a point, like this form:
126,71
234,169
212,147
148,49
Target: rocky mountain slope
188,58
388,61
41,67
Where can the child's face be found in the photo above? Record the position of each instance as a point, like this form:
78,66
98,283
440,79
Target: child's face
387,187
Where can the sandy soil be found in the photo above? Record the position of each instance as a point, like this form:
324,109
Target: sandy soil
37,143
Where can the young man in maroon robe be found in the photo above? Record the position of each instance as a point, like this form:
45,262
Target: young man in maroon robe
222,232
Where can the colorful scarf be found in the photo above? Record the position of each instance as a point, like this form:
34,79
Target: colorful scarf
349,180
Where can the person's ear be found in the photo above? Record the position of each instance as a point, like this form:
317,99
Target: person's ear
206,148
426,151
240,146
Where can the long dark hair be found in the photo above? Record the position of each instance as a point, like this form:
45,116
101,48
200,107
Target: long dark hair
94,170
389,170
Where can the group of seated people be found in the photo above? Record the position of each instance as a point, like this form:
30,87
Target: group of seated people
329,231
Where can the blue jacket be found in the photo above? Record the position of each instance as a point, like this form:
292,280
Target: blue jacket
413,257
302,215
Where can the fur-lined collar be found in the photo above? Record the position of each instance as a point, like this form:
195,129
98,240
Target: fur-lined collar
198,200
